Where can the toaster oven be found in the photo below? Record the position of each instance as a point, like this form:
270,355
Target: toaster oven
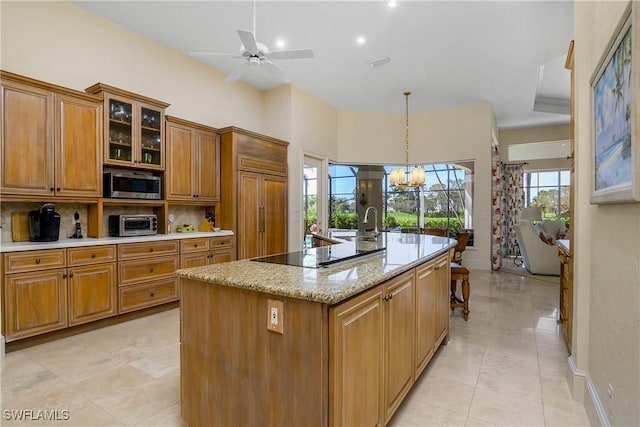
132,225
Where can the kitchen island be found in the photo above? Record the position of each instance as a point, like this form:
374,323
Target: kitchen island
335,343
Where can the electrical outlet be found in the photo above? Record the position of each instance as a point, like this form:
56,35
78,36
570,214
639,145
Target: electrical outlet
171,217
275,320
610,391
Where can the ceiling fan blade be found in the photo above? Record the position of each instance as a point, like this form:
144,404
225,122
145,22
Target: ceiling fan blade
292,54
235,74
248,41
279,72
233,55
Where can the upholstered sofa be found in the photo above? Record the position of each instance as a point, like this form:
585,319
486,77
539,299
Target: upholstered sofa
537,241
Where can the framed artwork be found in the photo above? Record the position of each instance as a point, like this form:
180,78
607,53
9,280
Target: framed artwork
616,116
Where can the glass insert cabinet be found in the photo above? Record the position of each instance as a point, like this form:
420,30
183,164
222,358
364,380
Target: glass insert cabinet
134,135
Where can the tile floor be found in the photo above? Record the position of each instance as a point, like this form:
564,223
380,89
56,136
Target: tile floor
506,366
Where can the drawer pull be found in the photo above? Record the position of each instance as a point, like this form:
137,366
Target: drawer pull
151,270
37,260
93,255
150,249
195,246
151,294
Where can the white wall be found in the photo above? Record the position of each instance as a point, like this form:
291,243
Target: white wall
606,249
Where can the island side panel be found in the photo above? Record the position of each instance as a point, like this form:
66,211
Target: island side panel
236,372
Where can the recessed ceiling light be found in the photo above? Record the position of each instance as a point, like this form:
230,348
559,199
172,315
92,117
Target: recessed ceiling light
378,61
391,4
280,43
361,40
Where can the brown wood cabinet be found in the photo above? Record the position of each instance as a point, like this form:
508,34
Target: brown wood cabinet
146,274
51,138
372,337
134,128
51,289
93,283
566,293
341,365
254,192
193,162
204,251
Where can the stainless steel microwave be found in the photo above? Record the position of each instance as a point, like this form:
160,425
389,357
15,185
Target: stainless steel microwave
132,225
131,185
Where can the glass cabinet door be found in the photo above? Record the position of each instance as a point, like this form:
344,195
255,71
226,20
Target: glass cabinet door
120,131
150,136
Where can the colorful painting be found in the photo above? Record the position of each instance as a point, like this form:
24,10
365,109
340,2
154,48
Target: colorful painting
614,90
613,119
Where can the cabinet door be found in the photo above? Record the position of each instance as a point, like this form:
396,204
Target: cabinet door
34,303
356,361
399,335
27,140
274,214
250,215
443,275
426,297
92,292
206,176
194,259
180,163
119,132
150,137
78,141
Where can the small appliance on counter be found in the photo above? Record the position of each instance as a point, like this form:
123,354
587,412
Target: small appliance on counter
44,224
133,225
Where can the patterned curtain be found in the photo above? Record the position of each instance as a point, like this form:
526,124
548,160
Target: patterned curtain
513,197
496,209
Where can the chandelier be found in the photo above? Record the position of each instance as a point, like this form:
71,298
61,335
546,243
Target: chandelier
398,177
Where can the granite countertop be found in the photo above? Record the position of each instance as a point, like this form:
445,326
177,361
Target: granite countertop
89,241
332,284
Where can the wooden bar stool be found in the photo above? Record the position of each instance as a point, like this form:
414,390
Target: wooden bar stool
459,272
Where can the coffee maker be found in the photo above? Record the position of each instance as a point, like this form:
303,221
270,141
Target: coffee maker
44,224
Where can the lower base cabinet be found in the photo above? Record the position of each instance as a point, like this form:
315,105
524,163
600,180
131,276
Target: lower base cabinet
349,364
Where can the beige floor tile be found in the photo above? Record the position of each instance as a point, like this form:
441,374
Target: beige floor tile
502,409
474,422
419,414
162,362
564,418
170,417
523,386
555,392
114,382
447,394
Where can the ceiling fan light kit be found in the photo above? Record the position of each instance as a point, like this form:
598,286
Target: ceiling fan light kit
398,177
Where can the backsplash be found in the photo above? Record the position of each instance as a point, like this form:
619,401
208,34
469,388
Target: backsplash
182,215
66,211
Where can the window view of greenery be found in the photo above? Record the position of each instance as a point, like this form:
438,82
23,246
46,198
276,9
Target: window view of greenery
443,202
548,191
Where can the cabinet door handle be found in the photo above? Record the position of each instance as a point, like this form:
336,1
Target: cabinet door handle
58,189
70,274
437,267
64,276
51,188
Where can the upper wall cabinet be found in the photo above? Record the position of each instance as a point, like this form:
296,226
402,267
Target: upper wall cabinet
193,162
51,140
134,131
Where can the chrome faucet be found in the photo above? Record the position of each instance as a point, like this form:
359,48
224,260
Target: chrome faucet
366,218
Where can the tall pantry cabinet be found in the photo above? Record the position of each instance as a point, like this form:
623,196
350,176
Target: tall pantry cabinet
254,192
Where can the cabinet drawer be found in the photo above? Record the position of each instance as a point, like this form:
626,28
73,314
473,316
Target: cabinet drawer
16,262
148,294
91,255
138,250
136,271
221,242
193,245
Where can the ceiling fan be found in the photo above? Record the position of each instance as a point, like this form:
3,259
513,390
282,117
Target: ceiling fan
257,54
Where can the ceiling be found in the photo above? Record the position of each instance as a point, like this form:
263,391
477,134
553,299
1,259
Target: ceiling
447,53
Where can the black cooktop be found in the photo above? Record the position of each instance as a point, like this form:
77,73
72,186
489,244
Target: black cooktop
318,257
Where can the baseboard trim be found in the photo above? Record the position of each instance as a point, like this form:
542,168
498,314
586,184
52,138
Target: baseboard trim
2,347
580,376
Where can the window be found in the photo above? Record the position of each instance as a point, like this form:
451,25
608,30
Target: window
549,191
342,203
445,201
